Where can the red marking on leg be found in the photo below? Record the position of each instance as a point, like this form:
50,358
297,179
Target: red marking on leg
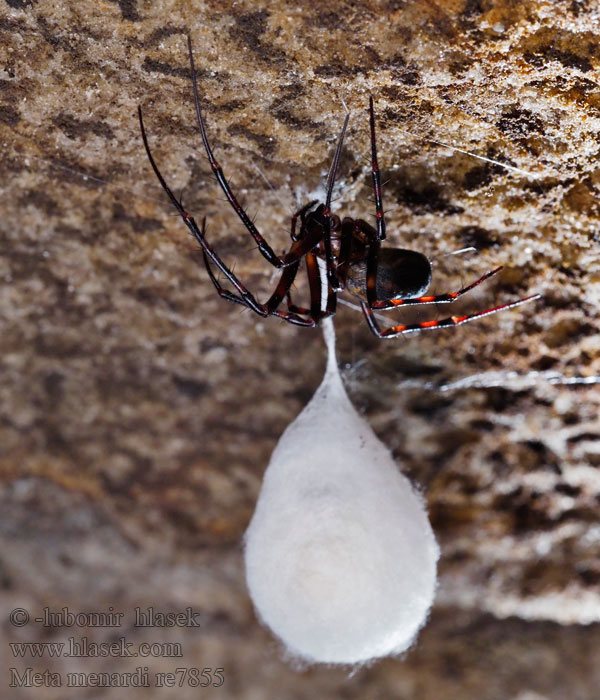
437,299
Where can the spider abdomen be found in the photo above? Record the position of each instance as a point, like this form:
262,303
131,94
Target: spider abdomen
401,274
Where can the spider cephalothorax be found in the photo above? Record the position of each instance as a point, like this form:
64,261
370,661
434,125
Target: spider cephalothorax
339,254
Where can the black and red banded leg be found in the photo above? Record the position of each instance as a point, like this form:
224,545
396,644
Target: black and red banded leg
262,244
266,250
243,296
379,215
374,242
332,277
314,271
314,283
395,331
294,307
300,213
263,309
433,299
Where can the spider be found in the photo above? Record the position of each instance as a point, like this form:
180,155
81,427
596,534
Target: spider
339,254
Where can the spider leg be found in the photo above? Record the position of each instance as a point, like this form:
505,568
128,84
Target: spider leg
374,243
376,179
300,213
315,313
288,316
329,256
263,246
437,299
285,282
244,297
296,320
295,309
314,271
314,283
394,331
197,233
331,305
321,281
302,309
224,293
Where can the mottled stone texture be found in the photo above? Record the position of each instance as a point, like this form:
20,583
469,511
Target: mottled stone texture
138,410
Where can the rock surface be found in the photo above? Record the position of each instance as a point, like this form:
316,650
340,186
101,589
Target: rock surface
138,410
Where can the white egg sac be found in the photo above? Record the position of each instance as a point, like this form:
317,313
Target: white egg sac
340,556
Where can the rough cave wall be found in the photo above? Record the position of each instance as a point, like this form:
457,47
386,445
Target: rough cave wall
138,410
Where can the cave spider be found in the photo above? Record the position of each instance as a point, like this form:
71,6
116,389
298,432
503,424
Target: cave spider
339,254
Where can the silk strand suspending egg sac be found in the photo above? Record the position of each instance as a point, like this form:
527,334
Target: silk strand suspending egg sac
340,555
